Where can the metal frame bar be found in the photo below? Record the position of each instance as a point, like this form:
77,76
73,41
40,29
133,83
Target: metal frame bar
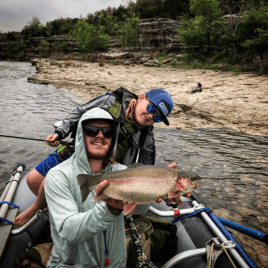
185,255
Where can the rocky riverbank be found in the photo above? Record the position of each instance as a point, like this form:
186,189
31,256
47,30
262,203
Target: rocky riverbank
228,99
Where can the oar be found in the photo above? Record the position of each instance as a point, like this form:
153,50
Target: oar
31,139
7,215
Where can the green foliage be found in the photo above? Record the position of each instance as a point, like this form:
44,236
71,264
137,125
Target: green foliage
175,8
161,9
11,37
109,22
204,29
253,31
62,46
89,37
14,47
120,13
148,8
33,29
61,26
128,31
43,44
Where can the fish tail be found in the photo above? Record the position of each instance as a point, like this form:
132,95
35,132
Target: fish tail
84,187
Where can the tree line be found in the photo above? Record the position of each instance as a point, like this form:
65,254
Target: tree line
204,31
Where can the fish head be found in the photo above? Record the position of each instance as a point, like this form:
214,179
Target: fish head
186,182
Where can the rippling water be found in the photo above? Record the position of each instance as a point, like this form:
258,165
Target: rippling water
27,110
233,165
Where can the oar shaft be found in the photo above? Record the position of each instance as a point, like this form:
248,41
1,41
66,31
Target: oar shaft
11,191
4,193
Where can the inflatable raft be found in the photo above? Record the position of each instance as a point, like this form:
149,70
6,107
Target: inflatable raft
202,238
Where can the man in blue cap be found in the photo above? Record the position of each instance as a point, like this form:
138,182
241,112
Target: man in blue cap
135,144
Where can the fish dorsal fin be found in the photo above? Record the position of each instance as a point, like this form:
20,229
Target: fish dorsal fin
135,165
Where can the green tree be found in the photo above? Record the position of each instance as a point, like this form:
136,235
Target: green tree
235,12
15,47
62,46
33,29
120,12
109,22
148,8
204,29
128,31
61,26
176,8
253,30
89,37
11,37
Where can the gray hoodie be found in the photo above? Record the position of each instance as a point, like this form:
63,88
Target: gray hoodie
77,228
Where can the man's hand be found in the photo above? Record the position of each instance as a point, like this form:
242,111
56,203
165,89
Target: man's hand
52,140
176,199
112,203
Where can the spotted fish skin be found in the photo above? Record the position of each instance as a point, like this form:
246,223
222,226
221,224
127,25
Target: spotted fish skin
139,183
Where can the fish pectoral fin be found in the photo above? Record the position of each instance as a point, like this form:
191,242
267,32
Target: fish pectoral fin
100,197
129,208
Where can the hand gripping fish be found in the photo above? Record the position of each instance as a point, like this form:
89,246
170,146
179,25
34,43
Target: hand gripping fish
142,184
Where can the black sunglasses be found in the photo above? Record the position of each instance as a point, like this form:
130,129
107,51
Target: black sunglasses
93,131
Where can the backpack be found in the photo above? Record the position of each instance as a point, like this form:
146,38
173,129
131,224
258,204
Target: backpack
164,239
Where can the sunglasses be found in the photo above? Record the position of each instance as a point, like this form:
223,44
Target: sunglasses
153,110
93,131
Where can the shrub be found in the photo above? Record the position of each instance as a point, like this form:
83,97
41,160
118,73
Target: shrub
89,37
62,46
15,47
128,31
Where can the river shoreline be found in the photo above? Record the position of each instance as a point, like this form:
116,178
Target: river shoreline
228,99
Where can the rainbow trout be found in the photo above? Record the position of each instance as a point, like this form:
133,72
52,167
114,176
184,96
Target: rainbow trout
142,184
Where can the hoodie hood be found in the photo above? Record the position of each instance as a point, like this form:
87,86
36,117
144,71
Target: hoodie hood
80,147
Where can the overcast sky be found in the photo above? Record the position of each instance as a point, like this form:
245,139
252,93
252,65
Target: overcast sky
15,14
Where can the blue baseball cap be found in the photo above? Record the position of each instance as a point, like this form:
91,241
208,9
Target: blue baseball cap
163,102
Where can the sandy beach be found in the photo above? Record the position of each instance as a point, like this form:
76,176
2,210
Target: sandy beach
228,99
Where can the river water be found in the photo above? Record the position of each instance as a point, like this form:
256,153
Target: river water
233,165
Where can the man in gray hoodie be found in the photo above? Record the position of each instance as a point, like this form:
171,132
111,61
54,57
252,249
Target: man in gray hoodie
89,234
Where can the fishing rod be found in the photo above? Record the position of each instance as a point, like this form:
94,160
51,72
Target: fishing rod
32,139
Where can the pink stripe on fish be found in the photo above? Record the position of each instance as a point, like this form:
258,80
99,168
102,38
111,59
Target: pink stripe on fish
138,179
